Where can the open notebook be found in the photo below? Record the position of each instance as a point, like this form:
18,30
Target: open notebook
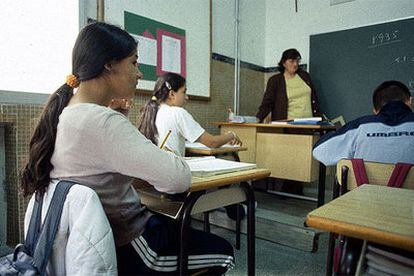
197,145
208,166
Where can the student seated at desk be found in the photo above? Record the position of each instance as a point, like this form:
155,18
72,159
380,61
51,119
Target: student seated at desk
387,136
165,112
78,138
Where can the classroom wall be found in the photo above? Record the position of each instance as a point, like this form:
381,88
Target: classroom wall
286,28
3,195
192,16
252,29
20,117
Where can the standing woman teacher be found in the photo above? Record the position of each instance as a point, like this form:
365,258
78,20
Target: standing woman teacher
289,94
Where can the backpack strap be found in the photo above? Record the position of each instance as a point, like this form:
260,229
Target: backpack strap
50,226
399,174
34,225
359,171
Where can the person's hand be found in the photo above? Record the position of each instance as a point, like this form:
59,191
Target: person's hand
121,105
236,140
168,149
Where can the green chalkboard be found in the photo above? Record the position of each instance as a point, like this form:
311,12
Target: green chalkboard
138,25
347,65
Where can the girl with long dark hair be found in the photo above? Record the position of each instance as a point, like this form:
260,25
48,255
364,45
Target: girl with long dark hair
79,138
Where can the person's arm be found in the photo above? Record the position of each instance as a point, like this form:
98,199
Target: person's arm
215,141
193,132
268,101
128,152
337,145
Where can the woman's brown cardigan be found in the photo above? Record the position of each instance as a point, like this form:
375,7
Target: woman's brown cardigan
275,98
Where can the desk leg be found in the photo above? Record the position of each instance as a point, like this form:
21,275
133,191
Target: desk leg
238,219
321,185
251,251
188,204
207,222
238,223
331,244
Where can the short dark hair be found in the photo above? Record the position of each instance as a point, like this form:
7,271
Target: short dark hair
389,91
288,54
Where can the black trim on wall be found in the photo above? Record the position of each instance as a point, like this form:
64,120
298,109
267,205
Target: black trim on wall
248,65
12,97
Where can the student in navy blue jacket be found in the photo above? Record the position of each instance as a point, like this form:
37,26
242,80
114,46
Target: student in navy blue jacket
387,136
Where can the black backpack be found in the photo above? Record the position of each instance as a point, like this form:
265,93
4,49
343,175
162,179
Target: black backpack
31,258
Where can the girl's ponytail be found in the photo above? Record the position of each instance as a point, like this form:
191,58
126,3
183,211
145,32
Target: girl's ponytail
146,121
35,174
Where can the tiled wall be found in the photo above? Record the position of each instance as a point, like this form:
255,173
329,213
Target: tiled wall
20,120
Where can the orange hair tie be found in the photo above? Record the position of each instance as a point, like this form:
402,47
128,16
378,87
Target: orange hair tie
72,81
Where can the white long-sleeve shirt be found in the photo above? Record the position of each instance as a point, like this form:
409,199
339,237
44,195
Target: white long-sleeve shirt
100,148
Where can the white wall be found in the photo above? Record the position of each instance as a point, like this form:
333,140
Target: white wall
287,29
191,15
252,29
36,43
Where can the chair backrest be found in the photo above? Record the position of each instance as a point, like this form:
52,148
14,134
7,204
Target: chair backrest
84,243
378,174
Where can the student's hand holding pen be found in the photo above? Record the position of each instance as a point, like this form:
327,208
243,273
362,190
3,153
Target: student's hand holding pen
121,105
236,140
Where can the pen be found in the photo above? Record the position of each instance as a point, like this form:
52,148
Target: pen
165,139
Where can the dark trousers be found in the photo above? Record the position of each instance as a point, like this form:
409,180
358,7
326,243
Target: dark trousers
155,251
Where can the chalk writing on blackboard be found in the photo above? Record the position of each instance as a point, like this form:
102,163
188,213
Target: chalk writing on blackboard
384,38
403,59
411,85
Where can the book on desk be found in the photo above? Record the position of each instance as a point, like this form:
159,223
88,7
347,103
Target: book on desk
303,121
209,166
197,145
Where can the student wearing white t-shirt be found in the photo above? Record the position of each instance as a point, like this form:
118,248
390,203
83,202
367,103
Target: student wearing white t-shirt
164,112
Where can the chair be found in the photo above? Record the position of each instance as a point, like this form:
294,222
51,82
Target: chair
84,243
345,180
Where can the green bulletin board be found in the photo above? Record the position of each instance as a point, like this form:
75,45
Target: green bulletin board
142,26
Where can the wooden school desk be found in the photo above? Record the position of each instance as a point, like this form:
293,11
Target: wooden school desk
197,200
370,212
284,149
218,152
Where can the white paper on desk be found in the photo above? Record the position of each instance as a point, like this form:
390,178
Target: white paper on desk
208,166
308,119
279,122
198,145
